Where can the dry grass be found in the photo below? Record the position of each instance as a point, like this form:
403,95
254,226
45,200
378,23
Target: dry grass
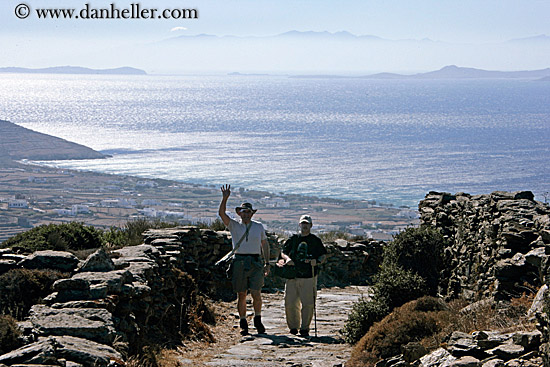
429,327
194,352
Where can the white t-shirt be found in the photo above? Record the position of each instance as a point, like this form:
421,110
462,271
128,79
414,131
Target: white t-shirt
252,243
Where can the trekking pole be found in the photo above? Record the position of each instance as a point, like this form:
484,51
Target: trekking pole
314,297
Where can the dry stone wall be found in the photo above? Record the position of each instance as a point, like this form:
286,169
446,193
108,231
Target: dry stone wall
115,303
499,243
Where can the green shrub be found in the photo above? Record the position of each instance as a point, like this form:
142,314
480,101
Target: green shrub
363,315
20,289
61,237
399,279
216,225
420,250
9,334
333,236
396,286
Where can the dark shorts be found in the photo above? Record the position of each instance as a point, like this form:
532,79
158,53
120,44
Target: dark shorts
248,273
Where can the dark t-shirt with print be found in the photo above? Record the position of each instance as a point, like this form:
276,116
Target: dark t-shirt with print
300,248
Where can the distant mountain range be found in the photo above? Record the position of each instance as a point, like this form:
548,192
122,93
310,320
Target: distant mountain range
21,143
451,72
74,70
339,36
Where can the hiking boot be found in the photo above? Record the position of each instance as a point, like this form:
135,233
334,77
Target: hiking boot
244,327
258,324
304,333
294,331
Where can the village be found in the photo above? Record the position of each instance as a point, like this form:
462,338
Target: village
32,195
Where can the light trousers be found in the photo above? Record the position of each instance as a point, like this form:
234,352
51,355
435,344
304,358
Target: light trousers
300,294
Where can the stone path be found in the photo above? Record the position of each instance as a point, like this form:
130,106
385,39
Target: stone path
277,347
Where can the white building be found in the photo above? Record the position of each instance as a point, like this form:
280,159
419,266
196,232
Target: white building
118,203
275,202
146,184
145,202
149,212
80,209
63,212
18,203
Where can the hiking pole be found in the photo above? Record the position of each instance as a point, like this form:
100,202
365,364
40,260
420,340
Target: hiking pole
314,297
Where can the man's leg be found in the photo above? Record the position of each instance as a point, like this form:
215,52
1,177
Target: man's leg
257,305
241,304
292,305
241,307
308,292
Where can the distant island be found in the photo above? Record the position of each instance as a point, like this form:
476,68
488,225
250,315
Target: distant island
75,70
19,143
449,72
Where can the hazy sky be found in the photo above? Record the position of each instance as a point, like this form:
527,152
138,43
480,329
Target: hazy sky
34,42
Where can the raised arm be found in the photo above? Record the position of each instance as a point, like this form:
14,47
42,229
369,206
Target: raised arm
226,191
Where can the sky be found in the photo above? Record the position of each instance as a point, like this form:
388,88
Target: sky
464,31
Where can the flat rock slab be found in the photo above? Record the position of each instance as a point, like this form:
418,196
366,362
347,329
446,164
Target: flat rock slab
76,351
88,323
277,347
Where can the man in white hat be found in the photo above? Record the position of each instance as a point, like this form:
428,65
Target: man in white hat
251,260
305,251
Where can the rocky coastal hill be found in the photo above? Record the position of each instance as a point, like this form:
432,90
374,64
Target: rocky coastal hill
20,143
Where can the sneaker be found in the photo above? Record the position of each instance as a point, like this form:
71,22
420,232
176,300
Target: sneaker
294,331
258,324
244,327
304,333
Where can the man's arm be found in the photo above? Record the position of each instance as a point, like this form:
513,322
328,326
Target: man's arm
285,258
266,251
226,191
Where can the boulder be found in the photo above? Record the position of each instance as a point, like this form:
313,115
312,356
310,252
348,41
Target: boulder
98,261
113,280
466,361
54,349
538,302
56,260
438,358
89,323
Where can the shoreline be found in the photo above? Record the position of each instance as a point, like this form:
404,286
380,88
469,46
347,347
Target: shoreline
379,203
48,195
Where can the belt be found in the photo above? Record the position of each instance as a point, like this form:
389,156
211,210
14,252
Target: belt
250,255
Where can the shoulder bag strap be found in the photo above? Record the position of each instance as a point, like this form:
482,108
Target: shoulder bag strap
232,252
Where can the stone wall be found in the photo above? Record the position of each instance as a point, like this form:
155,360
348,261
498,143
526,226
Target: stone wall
499,243
115,303
196,253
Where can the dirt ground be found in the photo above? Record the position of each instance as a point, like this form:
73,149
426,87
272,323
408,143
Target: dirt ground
277,347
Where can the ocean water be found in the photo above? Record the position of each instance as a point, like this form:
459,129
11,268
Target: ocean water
386,140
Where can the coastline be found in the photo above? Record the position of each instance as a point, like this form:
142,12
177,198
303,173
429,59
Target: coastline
49,195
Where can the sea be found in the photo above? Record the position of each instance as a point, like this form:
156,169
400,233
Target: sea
391,141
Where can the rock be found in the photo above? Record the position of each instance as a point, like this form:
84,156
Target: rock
538,302
466,361
536,256
438,358
89,323
113,280
98,261
413,351
529,340
53,349
462,344
7,265
507,351
492,362
56,260
488,340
